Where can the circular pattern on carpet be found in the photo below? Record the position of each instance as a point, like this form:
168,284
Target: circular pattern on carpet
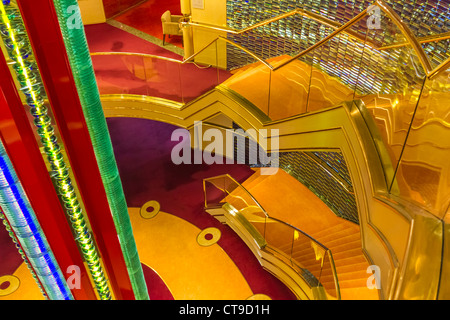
150,209
208,237
8,284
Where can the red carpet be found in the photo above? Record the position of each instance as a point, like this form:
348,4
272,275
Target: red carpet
10,258
157,289
106,38
143,153
146,76
147,18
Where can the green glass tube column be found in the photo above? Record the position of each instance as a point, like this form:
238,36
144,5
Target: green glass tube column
72,29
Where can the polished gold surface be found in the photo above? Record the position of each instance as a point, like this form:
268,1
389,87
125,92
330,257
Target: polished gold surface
412,40
423,174
422,267
444,288
394,140
427,39
291,243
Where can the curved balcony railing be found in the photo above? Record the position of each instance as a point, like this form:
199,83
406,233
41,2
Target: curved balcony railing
397,85
309,258
176,80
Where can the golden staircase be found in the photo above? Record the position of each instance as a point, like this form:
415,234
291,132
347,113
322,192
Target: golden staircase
304,210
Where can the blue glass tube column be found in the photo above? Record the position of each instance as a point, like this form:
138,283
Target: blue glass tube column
23,221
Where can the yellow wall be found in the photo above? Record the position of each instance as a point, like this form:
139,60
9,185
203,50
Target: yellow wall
92,11
214,13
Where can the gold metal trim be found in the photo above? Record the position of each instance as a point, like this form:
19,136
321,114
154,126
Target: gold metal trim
439,69
256,236
405,30
408,34
143,55
347,25
316,17
426,39
147,99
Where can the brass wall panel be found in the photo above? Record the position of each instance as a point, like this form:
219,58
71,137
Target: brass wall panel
422,267
423,175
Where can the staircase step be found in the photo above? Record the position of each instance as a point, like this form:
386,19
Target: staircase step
330,230
258,178
356,252
356,283
336,236
360,266
339,247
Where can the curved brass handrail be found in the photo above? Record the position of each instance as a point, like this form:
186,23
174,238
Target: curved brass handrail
439,69
412,40
145,55
425,39
238,185
134,54
314,16
321,42
326,250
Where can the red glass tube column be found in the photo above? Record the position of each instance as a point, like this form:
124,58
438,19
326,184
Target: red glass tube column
20,143
45,36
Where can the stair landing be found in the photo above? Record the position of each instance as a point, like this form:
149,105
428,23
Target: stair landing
285,198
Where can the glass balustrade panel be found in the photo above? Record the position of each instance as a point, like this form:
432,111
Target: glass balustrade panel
335,68
135,74
279,236
389,85
214,191
199,73
422,175
307,256
328,278
247,77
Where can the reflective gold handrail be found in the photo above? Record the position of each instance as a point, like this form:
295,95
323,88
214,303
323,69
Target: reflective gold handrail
316,17
426,39
411,39
238,185
439,69
145,55
189,58
321,42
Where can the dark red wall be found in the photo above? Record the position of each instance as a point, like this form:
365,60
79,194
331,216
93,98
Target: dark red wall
114,7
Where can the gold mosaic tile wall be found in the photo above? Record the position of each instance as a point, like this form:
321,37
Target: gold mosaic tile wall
383,71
